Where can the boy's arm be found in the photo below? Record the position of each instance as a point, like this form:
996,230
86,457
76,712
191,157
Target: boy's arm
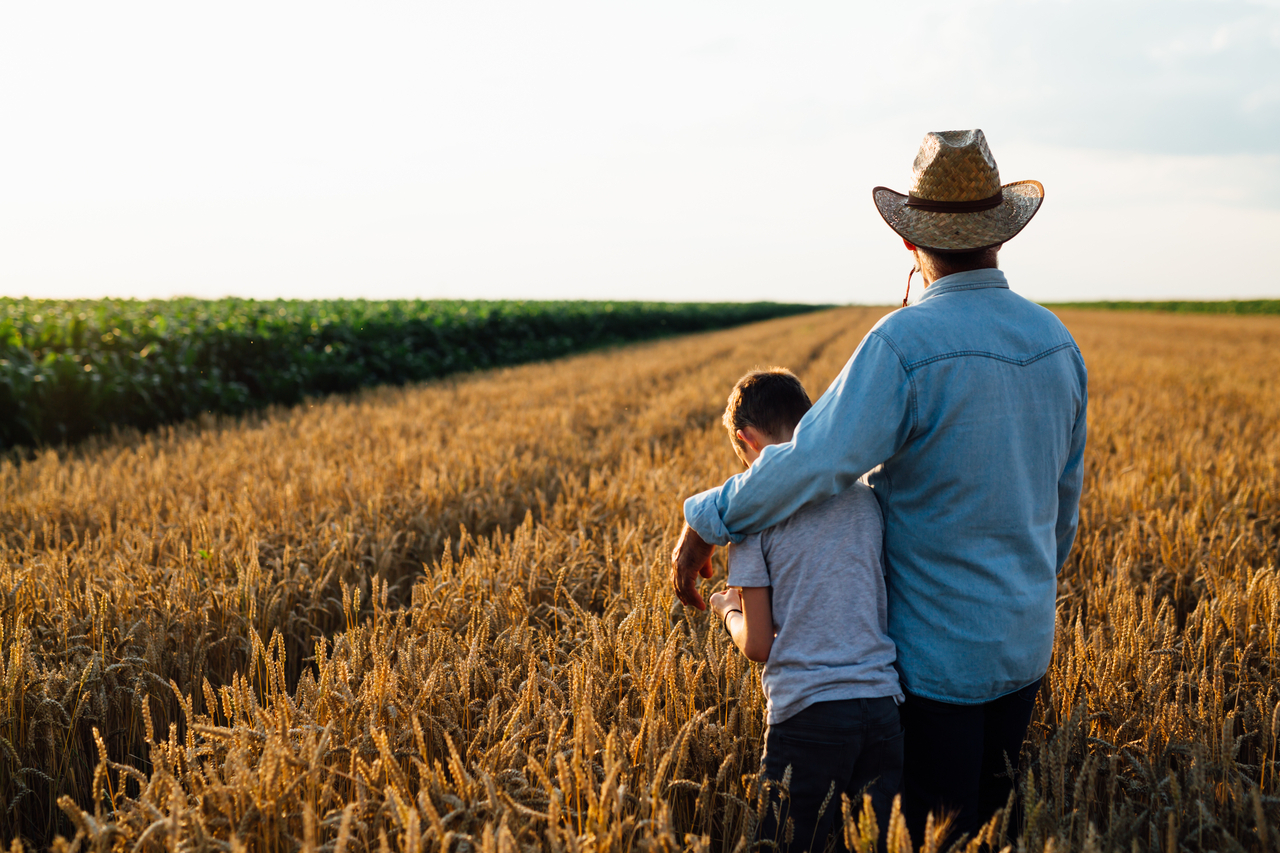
748,593
748,615
752,632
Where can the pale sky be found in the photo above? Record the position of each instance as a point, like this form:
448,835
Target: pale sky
609,150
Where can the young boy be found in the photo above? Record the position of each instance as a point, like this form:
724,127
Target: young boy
807,599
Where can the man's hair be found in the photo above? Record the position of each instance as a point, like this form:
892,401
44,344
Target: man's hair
771,400
950,263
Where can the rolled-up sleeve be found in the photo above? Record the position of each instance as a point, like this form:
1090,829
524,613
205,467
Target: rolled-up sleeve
863,419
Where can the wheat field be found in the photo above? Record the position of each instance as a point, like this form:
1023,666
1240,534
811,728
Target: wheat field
437,618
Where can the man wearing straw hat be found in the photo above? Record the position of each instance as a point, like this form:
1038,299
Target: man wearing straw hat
965,411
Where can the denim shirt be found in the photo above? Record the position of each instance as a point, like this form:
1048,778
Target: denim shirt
968,410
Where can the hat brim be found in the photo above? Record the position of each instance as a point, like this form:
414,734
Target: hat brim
961,232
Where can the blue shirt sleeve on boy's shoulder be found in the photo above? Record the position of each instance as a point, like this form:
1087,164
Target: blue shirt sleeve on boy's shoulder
863,419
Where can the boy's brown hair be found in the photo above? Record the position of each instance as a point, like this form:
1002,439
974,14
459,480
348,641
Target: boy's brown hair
772,400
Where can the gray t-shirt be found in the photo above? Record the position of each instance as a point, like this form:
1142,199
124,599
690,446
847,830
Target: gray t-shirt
826,569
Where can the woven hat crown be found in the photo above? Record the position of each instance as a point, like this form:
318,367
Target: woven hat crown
957,203
955,165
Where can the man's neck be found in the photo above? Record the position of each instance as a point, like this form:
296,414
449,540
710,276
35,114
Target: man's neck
931,273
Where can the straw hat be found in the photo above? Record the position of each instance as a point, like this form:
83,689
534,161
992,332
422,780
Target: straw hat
956,202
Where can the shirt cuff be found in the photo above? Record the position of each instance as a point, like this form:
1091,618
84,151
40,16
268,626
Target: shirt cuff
702,513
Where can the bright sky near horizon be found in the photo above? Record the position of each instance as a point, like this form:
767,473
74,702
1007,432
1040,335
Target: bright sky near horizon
657,150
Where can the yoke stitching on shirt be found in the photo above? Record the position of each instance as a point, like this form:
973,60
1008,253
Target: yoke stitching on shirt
906,368
1021,362
974,285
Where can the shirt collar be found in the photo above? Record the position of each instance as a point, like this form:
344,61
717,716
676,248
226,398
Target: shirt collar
968,280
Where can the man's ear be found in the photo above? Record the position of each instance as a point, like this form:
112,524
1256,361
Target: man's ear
911,247
749,438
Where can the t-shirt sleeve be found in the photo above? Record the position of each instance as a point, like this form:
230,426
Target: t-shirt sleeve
747,566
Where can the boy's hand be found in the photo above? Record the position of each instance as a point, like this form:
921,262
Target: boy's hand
691,558
723,602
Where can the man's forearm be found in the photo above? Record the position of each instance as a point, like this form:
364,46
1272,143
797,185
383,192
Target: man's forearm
862,420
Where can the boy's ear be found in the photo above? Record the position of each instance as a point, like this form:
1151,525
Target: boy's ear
749,439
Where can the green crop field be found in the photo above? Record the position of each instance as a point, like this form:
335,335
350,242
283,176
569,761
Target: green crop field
1230,306
69,369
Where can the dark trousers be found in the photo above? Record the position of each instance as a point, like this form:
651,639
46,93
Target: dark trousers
855,744
954,757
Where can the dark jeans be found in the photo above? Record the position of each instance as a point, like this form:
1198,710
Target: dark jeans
854,743
954,757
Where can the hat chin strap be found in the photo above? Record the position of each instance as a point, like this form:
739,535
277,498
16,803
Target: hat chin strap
914,269
917,203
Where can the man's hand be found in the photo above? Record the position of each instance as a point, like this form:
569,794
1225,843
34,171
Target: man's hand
691,558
